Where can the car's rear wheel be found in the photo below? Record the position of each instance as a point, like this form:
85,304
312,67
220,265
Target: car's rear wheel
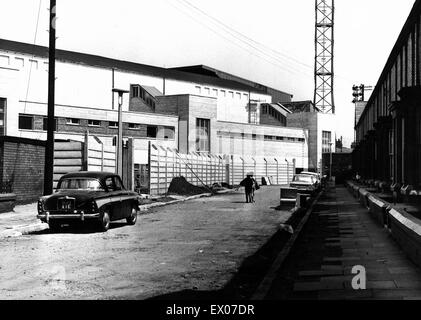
131,220
105,221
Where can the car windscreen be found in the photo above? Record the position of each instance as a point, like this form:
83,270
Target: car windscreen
80,184
303,178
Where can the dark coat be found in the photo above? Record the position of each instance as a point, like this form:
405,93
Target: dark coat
249,183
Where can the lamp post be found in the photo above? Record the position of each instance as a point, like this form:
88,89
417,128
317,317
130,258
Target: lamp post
120,131
330,166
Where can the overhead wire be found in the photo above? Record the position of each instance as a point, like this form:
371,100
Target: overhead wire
247,38
276,55
288,69
33,55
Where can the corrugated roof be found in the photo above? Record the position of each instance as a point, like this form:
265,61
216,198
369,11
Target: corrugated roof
212,72
154,92
300,106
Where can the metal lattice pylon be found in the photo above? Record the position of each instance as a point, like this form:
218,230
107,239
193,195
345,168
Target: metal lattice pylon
323,68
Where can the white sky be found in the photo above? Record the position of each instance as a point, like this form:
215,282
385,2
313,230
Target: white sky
170,33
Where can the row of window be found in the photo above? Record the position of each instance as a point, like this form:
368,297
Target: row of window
26,122
267,109
136,91
221,93
248,136
19,62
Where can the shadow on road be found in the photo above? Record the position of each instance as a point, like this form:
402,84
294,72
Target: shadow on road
83,228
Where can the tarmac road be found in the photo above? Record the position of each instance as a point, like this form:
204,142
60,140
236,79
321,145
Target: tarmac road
198,244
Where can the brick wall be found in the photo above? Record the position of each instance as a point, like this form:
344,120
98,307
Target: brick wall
22,163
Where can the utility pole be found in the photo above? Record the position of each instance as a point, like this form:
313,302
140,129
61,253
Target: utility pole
120,131
49,147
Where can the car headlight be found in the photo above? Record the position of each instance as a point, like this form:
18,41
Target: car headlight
94,206
40,205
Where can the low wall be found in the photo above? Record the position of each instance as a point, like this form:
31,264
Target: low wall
404,228
363,197
22,166
7,202
377,209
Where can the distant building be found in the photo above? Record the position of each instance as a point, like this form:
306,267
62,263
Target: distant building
388,132
195,108
320,128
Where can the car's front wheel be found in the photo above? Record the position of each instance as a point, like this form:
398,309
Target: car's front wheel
133,217
105,221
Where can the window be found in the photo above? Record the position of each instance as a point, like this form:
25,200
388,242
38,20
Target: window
238,95
118,184
391,154
264,109
80,184
26,122
326,141
152,131
168,133
245,96
207,91
2,116
280,138
45,124
202,135
253,114
231,93
73,122
134,126
198,90
223,93
113,125
4,60
254,136
94,123
135,91
215,92
20,62
34,64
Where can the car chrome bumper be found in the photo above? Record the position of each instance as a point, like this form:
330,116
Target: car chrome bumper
79,216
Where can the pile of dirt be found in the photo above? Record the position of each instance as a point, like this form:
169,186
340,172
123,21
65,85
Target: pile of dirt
182,187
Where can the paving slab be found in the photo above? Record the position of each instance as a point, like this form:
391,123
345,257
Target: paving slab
334,241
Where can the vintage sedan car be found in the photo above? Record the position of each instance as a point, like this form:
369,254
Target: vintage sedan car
306,184
316,176
89,196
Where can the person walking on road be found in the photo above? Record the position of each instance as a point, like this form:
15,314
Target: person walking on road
250,185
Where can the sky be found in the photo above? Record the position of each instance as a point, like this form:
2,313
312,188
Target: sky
267,41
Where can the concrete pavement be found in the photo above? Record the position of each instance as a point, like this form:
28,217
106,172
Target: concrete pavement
339,235
195,245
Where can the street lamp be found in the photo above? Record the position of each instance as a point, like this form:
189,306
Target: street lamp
120,131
